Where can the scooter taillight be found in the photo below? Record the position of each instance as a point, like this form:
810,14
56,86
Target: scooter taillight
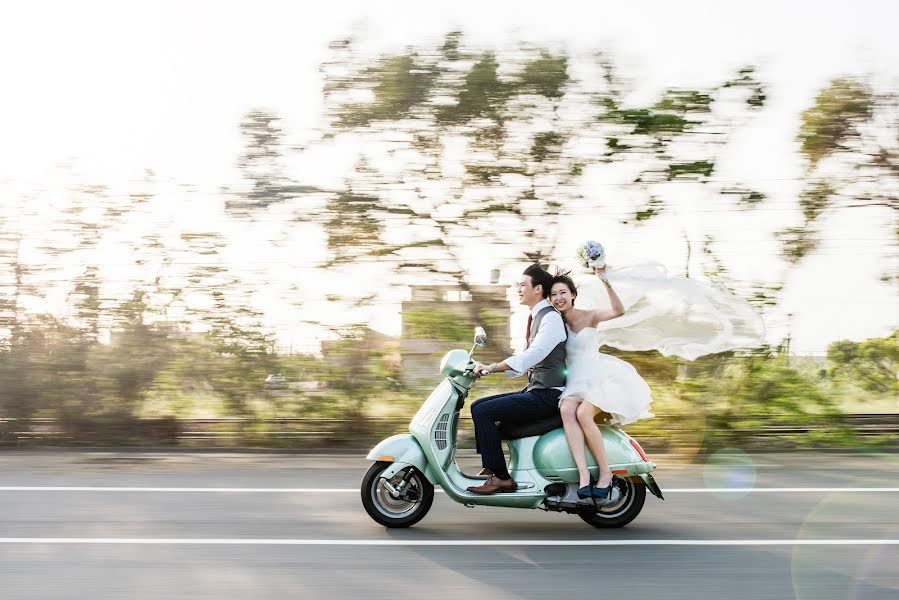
639,449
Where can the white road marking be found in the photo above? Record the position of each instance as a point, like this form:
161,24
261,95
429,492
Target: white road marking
227,490
241,490
382,542
780,490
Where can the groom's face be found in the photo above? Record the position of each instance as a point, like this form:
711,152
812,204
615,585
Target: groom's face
527,293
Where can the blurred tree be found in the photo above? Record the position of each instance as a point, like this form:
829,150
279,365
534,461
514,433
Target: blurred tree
360,370
678,138
850,140
459,143
738,395
681,135
85,298
873,363
456,144
262,164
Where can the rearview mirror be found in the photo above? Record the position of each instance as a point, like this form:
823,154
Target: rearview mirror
480,337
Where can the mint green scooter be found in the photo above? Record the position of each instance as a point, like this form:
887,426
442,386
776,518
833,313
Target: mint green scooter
398,489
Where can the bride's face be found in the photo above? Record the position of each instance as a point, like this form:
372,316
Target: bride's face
561,297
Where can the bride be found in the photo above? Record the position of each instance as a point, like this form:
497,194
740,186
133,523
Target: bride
655,310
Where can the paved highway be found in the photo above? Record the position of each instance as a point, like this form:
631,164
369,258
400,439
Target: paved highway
166,525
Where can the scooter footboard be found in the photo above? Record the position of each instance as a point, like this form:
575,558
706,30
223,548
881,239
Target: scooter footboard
402,450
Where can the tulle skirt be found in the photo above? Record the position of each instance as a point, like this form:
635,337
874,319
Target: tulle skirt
611,384
672,314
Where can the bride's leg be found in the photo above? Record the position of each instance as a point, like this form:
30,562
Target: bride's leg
575,437
586,412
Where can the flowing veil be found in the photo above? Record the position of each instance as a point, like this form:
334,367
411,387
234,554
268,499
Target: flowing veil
674,315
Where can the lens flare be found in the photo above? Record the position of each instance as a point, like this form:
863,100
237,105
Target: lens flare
729,468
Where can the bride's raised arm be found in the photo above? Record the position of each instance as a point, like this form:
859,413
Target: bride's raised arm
617,308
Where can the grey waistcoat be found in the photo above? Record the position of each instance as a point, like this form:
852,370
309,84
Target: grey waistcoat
549,372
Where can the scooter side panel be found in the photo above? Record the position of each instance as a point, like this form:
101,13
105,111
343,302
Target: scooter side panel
553,459
404,450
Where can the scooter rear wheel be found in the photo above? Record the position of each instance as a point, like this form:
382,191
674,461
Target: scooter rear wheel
633,495
389,509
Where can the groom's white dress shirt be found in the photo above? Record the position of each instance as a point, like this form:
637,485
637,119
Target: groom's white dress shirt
550,334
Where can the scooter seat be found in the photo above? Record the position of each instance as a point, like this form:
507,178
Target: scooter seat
513,431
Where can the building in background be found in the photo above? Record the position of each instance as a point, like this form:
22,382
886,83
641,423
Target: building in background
438,318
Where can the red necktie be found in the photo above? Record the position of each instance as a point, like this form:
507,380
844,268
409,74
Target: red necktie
527,334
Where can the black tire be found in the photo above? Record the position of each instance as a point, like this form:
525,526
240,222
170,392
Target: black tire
390,511
633,495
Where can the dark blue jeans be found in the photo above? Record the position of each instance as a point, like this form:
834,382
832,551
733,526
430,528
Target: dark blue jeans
517,407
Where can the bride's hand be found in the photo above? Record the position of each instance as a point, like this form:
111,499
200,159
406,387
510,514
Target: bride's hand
601,273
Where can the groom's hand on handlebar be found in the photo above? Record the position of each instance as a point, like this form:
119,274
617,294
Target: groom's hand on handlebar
480,370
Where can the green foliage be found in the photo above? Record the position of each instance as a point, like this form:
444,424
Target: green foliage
645,121
654,207
98,391
702,168
815,199
834,118
352,227
546,76
547,144
128,365
399,84
745,79
436,324
495,103
666,117
358,370
260,163
491,174
684,101
873,363
736,394
855,128
796,243
518,112
482,94
754,197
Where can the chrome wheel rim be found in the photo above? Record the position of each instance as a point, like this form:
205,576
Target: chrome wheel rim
624,502
390,506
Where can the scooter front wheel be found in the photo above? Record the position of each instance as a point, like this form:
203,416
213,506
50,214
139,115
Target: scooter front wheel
401,501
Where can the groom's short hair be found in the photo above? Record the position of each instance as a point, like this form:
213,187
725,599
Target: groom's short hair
539,277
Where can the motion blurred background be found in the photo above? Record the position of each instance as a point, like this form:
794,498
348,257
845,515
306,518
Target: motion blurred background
235,224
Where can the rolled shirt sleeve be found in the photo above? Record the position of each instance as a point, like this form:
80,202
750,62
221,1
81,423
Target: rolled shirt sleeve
550,334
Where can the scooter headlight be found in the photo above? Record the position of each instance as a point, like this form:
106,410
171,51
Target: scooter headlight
454,363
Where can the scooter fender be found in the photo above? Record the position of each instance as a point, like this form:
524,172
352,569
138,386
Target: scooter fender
402,450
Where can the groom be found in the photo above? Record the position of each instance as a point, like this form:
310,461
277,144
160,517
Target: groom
543,360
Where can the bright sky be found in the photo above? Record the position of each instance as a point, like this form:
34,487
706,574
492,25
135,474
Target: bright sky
114,88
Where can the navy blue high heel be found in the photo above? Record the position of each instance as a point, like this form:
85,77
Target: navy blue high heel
586,491
607,494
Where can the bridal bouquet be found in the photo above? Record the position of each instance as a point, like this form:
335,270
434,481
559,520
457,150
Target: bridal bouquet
591,254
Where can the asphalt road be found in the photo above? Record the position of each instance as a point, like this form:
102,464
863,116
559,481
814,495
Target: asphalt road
142,525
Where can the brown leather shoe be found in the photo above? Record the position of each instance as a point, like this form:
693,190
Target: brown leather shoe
485,473
494,485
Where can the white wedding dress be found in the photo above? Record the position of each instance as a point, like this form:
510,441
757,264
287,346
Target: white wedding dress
675,315
604,381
